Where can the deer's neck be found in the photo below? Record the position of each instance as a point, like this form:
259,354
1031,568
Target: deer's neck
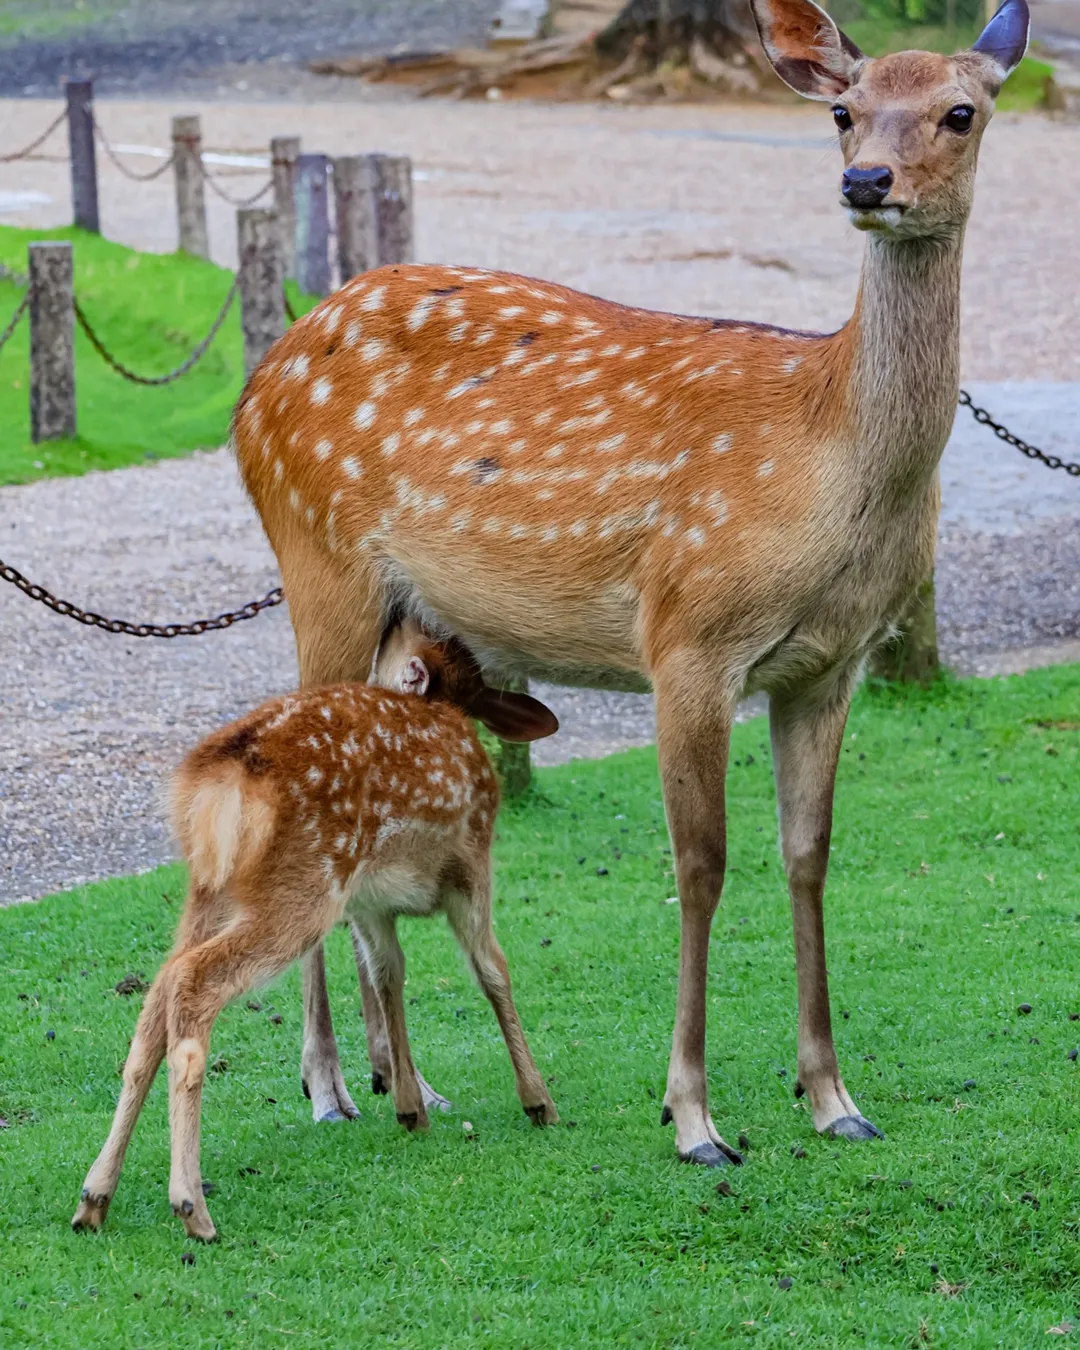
905,355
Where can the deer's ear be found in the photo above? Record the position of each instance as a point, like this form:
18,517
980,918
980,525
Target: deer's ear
415,677
1004,40
805,47
514,717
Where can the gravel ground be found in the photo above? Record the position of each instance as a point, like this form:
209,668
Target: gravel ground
91,722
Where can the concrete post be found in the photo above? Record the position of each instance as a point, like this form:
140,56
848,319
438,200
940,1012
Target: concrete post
313,224
284,152
52,342
190,189
84,189
262,300
356,214
394,207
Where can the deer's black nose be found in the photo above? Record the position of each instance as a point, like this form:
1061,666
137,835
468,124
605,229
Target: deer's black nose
867,187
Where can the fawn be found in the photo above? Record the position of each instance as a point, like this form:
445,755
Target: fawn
615,497
352,801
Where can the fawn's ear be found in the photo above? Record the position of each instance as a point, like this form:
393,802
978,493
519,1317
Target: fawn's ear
1004,40
415,677
805,47
514,717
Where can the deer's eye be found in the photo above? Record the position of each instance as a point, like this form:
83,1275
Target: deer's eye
959,119
841,117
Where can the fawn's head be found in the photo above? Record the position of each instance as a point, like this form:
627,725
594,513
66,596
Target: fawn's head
441,669
910,124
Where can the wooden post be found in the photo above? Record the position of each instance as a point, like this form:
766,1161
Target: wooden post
80,118
190,189
284,152
52,342
912,656
515,762
394,206
313,224
356,215
262,301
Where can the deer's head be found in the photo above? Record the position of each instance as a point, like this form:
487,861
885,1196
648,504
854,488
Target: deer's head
910,124
443,669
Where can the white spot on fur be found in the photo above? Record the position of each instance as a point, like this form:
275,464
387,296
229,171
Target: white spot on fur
323,448
352,467
321,391
364,417
722,443
375,301
765,468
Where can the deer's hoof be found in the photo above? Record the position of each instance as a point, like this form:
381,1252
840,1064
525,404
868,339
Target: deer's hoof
378,1084
90,1215
305,1088
543,1113
331,1117
708,1154
852,1127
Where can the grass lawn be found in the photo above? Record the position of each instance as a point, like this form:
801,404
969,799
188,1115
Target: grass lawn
954,898
150,309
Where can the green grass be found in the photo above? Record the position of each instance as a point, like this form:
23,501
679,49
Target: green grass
23,20
953,898
150,309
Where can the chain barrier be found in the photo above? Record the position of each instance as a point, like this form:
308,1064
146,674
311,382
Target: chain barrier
103,141
140,630
24,305
183,368
1004,434
240,202
28,150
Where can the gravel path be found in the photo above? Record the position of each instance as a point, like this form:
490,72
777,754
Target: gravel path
92,722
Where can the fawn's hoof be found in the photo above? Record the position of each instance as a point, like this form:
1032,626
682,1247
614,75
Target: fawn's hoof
196,1220
852,1127
413,1121
379,1085
90,1215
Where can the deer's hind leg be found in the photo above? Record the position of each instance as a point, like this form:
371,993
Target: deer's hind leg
202,916
204,979
338,616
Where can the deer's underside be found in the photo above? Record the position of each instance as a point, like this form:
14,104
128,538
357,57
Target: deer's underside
576,488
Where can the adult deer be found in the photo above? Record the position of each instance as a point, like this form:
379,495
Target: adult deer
608,496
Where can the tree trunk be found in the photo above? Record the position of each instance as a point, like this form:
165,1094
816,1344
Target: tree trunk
671,28
912,656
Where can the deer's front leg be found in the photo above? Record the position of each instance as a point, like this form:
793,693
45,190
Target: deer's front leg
693,731
807,732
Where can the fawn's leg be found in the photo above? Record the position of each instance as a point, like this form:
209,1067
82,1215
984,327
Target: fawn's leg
140,1068
320,1066
807,733
378,1042
693,717
203,914
204,980
385,962
470,917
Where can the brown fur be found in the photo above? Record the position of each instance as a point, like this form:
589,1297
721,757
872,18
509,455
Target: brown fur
346,801
610,496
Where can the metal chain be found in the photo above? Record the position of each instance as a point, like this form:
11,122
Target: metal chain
241,202
183,368
1003,433
24,305
128,173
28,150
140,630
